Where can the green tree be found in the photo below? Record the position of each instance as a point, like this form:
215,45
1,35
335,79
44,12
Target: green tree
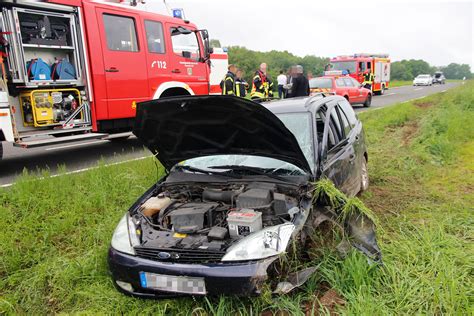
457,71
399,71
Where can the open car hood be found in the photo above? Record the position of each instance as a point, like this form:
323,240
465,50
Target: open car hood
184,127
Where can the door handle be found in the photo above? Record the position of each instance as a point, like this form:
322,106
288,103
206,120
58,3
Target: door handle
112,69
176,71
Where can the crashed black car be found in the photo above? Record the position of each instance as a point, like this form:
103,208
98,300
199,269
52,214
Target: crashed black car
236,192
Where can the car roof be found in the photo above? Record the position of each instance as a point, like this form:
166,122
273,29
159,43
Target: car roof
299,104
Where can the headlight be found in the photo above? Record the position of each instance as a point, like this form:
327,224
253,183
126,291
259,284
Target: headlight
267,242
125,236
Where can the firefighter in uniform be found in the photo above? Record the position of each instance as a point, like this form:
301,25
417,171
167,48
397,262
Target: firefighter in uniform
241,85
262,86
228,84
368,80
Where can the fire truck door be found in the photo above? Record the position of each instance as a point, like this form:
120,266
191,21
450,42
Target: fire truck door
186,59
124,62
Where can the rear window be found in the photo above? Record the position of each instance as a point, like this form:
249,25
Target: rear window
320,83
121,33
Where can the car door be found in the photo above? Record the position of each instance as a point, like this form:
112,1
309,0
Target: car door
361,93
338,156
124,61
341,88
352,90
159,70
356,136
186,58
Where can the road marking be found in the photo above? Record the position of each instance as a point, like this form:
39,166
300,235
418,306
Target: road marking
75,145
388,94
417,89
444,90
80,170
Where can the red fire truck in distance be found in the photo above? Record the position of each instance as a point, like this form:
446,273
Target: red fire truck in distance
359,64
73,70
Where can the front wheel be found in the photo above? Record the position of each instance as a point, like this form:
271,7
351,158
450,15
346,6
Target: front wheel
368,101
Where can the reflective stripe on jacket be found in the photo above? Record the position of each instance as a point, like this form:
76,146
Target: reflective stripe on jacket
262,86
229,84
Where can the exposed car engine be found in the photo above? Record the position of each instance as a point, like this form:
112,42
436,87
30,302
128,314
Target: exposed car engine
208,219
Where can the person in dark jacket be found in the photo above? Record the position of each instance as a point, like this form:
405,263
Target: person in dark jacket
299,83
228,84
241,85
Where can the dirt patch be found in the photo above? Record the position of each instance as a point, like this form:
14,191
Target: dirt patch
409,131
327,299
423,105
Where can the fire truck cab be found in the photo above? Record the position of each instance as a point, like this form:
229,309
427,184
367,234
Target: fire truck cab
358,65
74,69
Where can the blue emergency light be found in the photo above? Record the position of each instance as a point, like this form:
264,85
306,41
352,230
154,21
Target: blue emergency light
178,13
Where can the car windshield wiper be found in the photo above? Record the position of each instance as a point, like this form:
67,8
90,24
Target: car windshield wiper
252,170
203,171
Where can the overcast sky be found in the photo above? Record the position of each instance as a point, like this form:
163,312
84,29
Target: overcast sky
439,32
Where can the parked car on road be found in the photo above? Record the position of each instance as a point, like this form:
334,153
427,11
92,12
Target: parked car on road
237,191
344,86
423,80
439,78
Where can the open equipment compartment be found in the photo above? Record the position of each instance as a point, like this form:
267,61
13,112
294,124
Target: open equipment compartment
46,39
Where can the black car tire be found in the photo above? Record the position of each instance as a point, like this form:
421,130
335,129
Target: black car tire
364,176
368,101
1,150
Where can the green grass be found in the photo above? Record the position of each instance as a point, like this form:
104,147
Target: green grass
399,83
55,232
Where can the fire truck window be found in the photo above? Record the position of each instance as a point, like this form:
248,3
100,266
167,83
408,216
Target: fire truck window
345,66
121,33
340,82
348,82
185,45
154,37
369,65
362,66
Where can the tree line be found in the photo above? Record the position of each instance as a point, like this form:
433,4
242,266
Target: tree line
409,69
249,61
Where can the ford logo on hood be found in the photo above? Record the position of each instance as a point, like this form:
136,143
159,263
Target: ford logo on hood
164,255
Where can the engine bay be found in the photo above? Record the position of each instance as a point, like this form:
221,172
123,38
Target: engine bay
211,218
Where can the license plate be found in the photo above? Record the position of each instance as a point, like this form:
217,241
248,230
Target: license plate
173,283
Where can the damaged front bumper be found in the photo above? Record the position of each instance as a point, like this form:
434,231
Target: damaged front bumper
232,278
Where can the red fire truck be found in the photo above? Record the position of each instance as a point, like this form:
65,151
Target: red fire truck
359,64
73,70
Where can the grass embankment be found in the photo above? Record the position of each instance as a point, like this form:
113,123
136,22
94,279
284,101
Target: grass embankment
55,232
399,83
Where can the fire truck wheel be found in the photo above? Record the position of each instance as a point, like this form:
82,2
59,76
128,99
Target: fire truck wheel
368,101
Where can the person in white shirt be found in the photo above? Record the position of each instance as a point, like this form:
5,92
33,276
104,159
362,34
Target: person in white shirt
281,79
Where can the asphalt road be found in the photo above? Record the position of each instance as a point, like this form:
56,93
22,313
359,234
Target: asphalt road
404,94
84,155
